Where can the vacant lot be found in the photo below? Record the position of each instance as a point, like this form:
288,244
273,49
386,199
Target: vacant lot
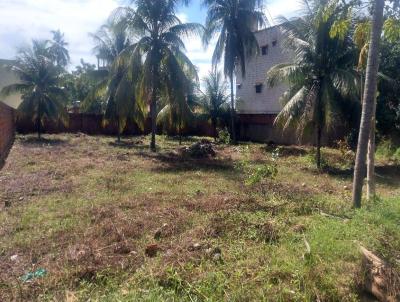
115,222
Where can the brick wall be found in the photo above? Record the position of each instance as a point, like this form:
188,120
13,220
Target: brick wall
92,124
7,130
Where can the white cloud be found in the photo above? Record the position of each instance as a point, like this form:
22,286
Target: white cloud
23,20
286,8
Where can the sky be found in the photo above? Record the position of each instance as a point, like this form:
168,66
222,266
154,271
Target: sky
24,20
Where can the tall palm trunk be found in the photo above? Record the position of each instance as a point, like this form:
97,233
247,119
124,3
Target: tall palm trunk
153,111
180,128
39,120
233,110
319,136
39,128
371,190
119,130
214,126
368,101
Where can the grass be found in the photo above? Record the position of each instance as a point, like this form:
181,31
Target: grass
85,209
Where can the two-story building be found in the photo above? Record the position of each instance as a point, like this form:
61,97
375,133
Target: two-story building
257,103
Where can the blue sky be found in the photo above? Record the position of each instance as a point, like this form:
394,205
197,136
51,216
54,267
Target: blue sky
24,20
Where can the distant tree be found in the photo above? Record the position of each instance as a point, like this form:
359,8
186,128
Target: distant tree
388,105
321,76
58,49
234,22
40,86
160,45
118,86
213,100
81,86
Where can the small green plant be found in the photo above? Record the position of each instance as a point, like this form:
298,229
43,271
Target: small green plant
267,171
224,136
347,156
396,155
388,150
311,156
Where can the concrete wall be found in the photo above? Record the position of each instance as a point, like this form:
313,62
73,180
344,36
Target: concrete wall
266,102
7,131
260,128
92,124
257,111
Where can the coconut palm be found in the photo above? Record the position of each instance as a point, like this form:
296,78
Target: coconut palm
116,83
371,78
214,100
234,22
166,68
39,86
321,77
177,108
110,40
58,49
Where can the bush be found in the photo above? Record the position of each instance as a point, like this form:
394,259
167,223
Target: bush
224,136
256,174
347,156
388,150
396,155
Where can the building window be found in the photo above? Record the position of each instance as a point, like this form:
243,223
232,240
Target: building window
264,50
259,88
274,43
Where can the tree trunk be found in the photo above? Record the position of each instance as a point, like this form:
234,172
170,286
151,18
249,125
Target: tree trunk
371,192
39,128
153,109
39,120
119,131
214,126
180,134
233,111
319,135
153,112
368,101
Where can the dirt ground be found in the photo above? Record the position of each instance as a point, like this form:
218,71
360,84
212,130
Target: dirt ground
98,216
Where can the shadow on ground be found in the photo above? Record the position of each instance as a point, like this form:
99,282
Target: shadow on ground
176,162
385,174
36,142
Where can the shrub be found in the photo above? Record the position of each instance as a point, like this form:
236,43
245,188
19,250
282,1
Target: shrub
396,155
255,174
347,156
224,136
264,172
388,150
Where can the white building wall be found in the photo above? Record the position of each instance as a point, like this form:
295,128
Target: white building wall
266,102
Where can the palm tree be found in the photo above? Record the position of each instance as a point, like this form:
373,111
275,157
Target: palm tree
39,85
214,101
58,49
361,37
160,45
321,77
368,101
174,115
119,79
234,22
